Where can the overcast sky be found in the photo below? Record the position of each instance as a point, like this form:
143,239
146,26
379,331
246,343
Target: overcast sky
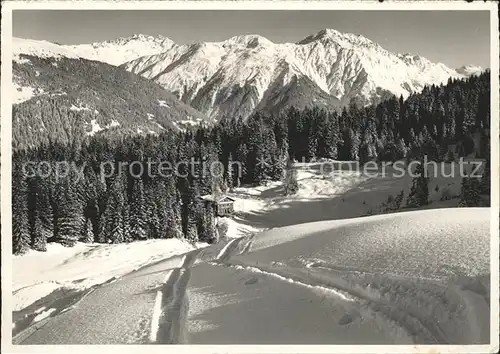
454,38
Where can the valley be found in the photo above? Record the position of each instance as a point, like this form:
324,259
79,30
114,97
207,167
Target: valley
240,187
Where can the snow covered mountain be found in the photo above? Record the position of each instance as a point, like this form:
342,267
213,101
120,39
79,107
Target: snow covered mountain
123,49
41,49
113,52
469,70
247,73
244,73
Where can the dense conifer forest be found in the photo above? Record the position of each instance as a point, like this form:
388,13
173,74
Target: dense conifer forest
128,205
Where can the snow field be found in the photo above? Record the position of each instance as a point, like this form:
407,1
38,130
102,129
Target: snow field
420,274
327,193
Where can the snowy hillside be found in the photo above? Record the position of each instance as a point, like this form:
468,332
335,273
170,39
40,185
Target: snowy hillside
469,70
42,49
244,72
425,244
422,276
326,194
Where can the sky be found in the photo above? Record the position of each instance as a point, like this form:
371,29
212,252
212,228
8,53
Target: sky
454,38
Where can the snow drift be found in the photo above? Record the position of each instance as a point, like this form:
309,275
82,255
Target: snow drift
422,274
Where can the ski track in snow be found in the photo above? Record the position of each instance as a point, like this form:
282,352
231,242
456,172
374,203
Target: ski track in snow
155,319
222,252
253,269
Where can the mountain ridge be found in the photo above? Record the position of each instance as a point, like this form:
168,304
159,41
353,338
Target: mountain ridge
236,77
166,43
345,66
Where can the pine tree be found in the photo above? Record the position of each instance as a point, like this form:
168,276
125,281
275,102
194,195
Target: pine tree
419,192
38,237
327,145
242,157
485,185
68,209
191,205
20,225
192,226
116,225
469,193
36,207
116,210
354,145
291,185
173,215
103,230
401,149
312,148
138,227
208,231
88,232
230,173
399,199
127,230
175,222
152,215
68,216
173,225
46,211
468,121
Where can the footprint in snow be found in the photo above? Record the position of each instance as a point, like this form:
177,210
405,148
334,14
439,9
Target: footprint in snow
346,319
251,281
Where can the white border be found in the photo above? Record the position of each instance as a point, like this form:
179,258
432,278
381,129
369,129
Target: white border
6,154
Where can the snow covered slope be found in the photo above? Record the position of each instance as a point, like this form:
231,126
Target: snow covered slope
436,243
337,190
42,49
244,72
422,275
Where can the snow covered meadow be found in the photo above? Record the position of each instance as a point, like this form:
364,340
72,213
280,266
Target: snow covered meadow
336,190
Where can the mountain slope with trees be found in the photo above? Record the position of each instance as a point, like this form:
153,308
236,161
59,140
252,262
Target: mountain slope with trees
72,99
